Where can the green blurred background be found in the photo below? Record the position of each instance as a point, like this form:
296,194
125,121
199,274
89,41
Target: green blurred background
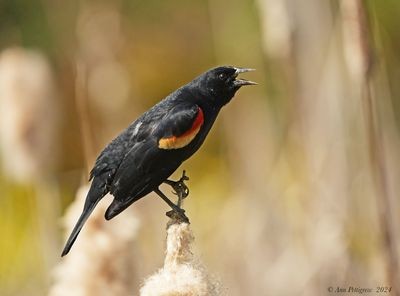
294,191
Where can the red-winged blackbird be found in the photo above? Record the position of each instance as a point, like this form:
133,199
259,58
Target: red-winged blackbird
145,154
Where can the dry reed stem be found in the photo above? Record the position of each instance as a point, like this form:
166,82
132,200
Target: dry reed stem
361,62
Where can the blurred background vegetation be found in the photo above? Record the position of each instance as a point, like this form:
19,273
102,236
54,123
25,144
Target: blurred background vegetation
296,188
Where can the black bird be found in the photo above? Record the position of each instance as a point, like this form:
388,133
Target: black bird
145,154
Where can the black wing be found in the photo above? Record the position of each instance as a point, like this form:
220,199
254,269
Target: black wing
146,166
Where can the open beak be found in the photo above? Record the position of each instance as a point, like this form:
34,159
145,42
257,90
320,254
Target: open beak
241,82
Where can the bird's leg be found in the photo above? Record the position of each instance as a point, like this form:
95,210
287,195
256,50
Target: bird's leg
181,190
176,212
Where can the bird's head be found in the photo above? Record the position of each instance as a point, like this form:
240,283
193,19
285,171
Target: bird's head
222,83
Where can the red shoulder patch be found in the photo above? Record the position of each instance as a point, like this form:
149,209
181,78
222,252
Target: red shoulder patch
176,142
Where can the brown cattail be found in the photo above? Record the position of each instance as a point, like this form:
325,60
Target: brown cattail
28,113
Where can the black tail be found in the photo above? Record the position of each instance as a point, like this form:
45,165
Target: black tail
94,195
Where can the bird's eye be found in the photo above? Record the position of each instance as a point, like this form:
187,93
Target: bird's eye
222,76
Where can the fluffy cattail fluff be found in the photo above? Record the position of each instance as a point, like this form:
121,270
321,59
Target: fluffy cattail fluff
28,113
181,275
101,261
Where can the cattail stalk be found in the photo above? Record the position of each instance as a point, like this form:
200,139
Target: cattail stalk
29,112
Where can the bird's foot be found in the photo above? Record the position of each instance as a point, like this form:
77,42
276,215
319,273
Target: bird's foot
178,215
